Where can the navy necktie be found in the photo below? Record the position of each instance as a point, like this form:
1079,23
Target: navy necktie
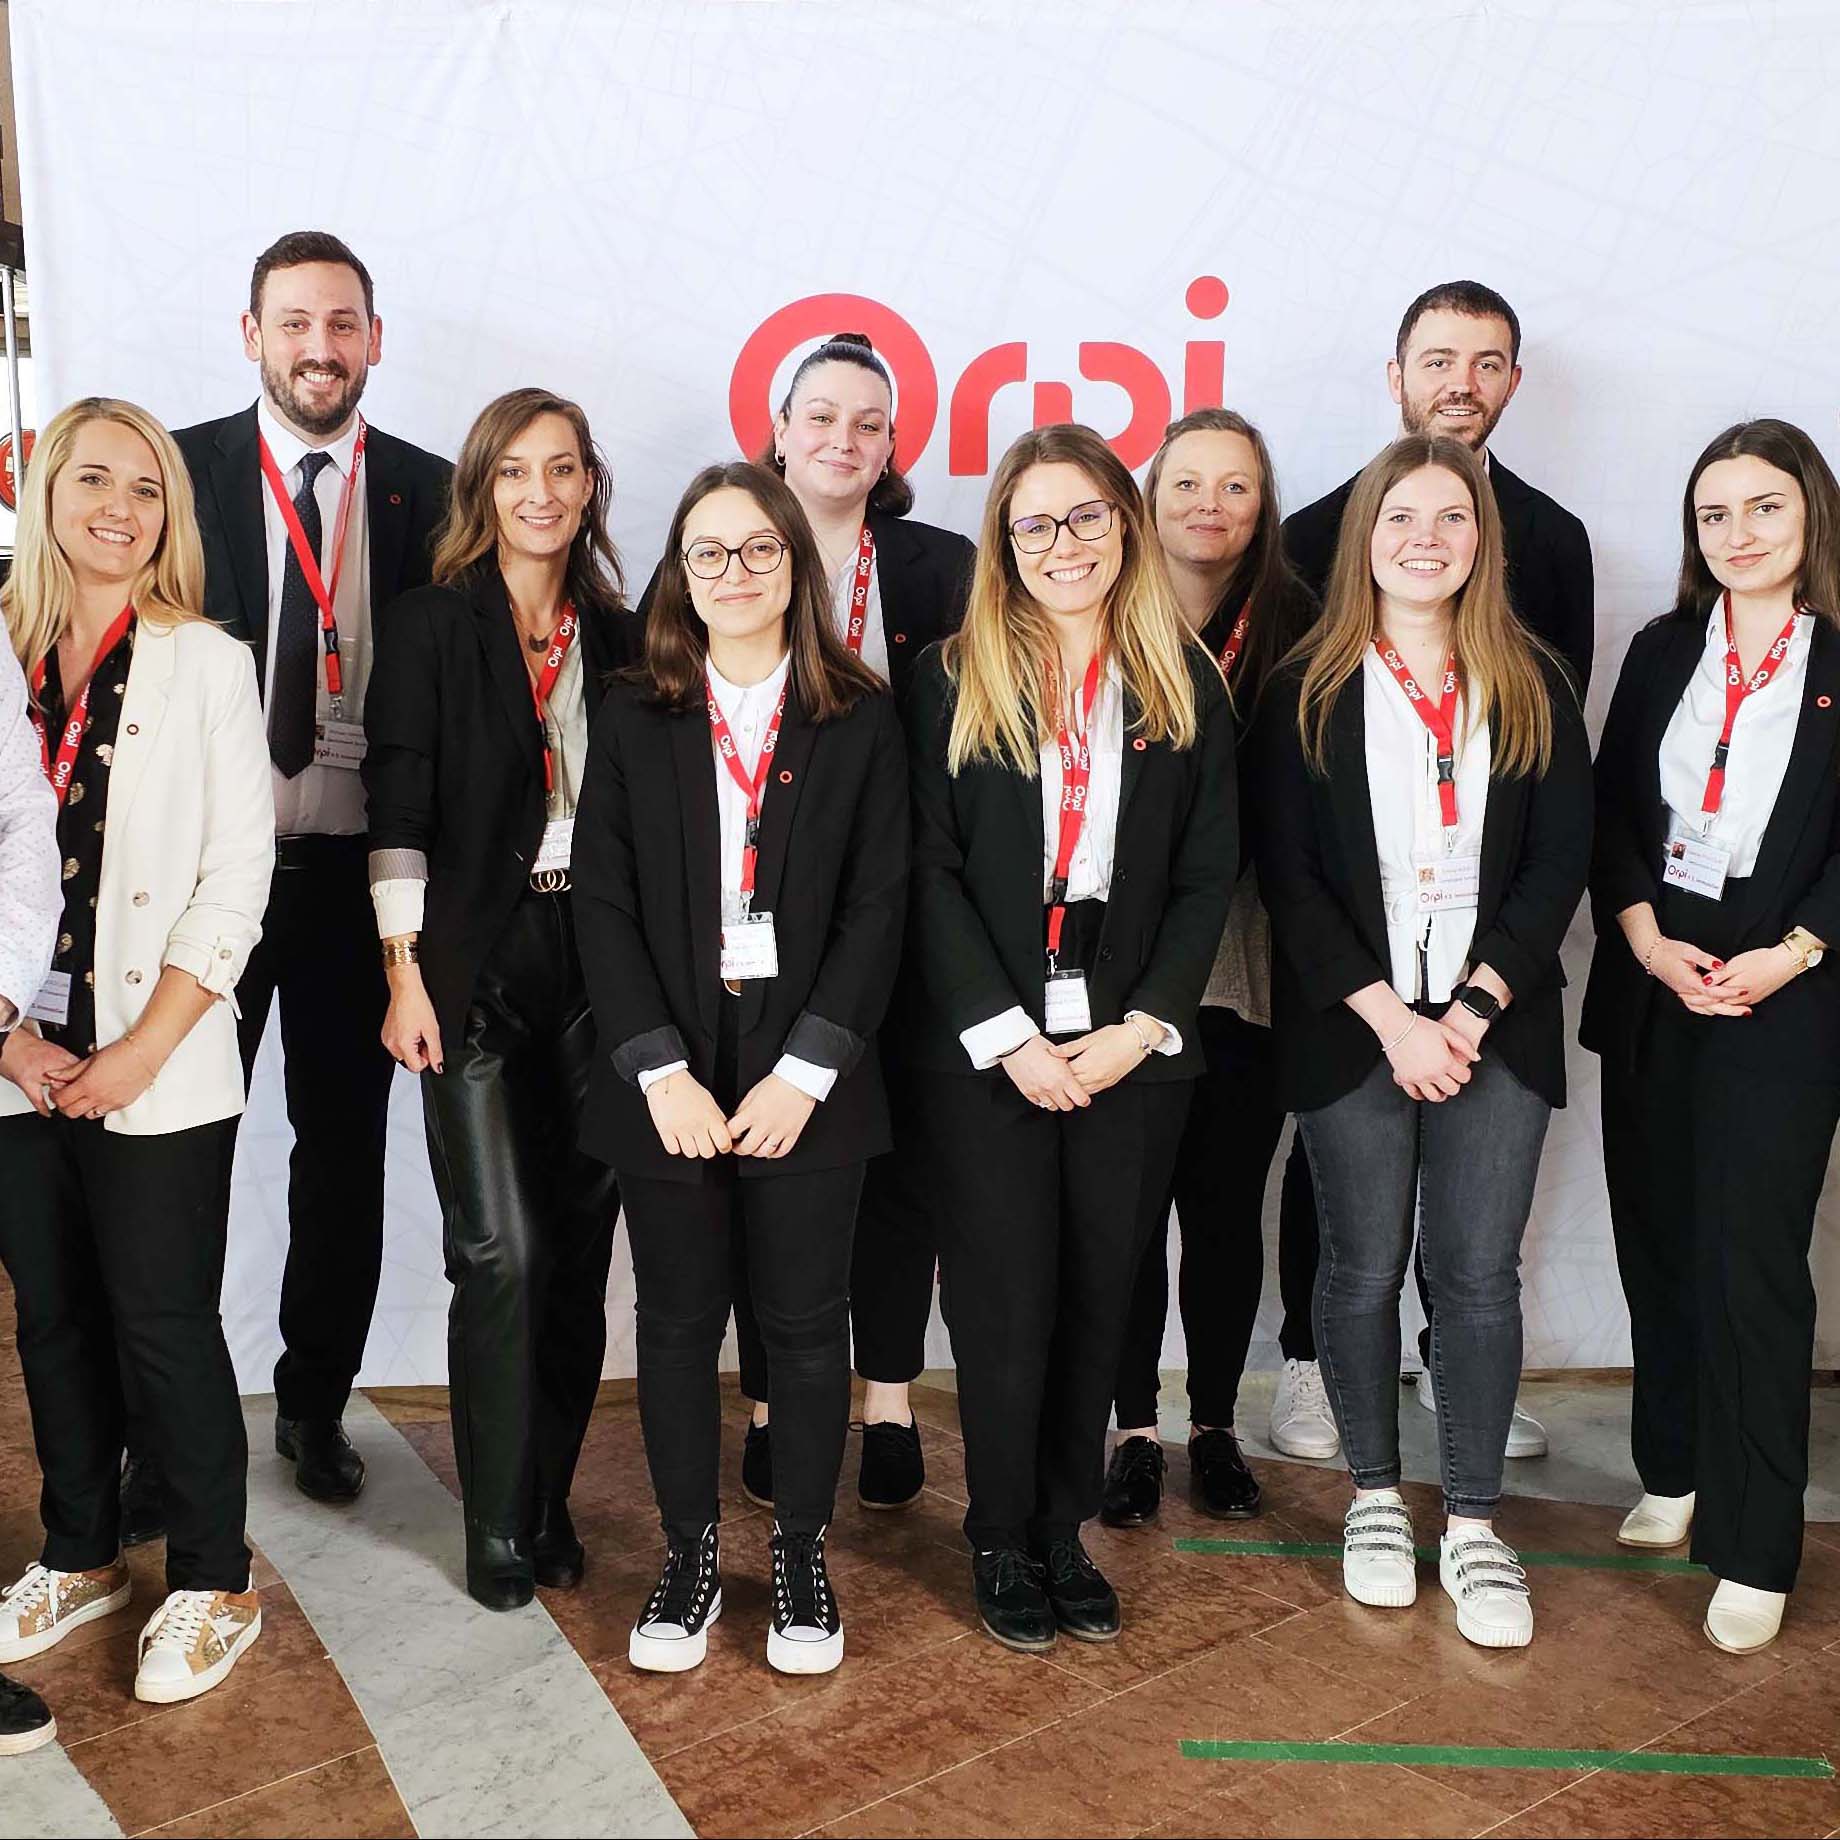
291,699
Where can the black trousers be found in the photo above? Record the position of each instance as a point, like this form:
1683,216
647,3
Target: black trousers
318,958
1218,1192
1043,1219
895,1253
115,1245
527,1220
1714,1172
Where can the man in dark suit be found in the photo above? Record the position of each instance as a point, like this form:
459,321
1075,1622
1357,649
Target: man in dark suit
313,522
1455,368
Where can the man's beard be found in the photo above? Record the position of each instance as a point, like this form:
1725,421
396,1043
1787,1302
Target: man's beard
278,386
1421,418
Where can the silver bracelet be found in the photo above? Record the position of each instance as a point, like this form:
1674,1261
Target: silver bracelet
1386,1047
1143,1047
1648,957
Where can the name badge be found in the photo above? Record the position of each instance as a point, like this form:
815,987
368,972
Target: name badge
1068,1010
52,1004
338,744
749,949
1446,884
1697,865
553,852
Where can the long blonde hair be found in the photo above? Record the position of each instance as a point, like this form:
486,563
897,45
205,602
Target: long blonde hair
1002,659
41,590
1498,659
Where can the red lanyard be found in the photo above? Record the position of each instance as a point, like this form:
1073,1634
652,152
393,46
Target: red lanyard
324,598
1737,688
859,591
544,686
59,767
754,788
1439,717
1229,653
1076,777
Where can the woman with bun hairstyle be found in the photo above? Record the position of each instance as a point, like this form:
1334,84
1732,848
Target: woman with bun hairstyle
1075,848
1716,889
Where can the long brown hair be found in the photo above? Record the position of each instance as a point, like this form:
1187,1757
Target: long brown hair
40,591
1498,660
1263,579
469,531
1002,659
1785,447
826,676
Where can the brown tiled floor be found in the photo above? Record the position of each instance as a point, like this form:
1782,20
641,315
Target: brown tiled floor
931,1729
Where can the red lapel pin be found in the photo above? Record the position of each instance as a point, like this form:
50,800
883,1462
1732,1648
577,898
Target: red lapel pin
785,776
1140,744
1824,702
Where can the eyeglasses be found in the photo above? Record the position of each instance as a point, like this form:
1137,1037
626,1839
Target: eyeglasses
1089,522
708,560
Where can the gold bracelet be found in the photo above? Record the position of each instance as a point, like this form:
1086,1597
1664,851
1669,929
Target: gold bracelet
152,1072
401,952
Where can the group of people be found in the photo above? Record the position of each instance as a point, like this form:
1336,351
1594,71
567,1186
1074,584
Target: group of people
867,900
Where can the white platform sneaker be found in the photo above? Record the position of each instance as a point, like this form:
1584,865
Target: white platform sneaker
1657,1520
1379,1563
1483,1578
1741,1619
1301,1423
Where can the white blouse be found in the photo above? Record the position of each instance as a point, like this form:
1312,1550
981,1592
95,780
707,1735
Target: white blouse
1402,789
1761,741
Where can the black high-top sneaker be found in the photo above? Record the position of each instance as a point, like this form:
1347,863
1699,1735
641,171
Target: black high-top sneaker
806,1634
672,1633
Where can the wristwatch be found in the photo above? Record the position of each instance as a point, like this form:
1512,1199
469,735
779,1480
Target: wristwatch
1477,1001
1805,947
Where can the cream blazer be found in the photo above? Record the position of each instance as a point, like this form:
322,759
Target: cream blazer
186,862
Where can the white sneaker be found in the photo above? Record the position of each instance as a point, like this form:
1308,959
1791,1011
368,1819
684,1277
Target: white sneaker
1526,1435
44,1606
1657,1520
1741,1619
1379,1565
672,1633
192,1641
1483,1578
1301,1422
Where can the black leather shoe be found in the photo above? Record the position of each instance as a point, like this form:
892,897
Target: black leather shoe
325,1465
1084,1605
499,1573
757,1465
1134,1483
557,1556
143,1500
893,1470
1221,1484
1010,1600
25,1720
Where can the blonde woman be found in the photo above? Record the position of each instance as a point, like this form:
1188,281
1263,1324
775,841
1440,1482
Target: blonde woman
121,1092
1423,837
1076,846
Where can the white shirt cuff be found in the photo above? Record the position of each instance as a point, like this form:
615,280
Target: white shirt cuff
813,1081
398,902
658,1073
1171,1042
988,1042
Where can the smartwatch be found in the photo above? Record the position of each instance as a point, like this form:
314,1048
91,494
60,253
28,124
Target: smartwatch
1477,1001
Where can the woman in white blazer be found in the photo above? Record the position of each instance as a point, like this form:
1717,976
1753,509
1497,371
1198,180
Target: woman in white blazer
121,1089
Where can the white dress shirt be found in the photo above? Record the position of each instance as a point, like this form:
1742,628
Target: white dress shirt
1408,823
875,639
1089,875
748,711
1761,741
322,800
31,896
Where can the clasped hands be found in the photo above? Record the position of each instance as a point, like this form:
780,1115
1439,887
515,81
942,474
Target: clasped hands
767,1123
55,1079
1710,986
1061,1076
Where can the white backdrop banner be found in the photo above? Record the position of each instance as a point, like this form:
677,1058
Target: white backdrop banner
1107,211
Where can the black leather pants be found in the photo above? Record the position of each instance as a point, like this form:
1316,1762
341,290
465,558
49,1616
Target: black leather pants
527,1220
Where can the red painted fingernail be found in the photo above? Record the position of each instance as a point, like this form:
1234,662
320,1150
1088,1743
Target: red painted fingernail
1718,964
1707,979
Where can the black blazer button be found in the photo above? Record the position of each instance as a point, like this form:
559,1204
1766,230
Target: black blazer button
1105,955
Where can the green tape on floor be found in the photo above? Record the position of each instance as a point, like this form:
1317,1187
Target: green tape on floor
1490,1757
1331,1549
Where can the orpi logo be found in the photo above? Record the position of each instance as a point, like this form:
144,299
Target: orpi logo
750,385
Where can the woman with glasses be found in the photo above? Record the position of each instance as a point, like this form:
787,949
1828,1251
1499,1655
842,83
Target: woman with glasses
481,695
741,881
1076,846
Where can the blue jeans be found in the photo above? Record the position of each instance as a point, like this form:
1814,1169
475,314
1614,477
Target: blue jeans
1467,1168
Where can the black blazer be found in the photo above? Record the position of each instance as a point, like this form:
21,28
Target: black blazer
924,574
648,914
977,915
405,494
1548,557
1794,1034
454,765
1319,872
